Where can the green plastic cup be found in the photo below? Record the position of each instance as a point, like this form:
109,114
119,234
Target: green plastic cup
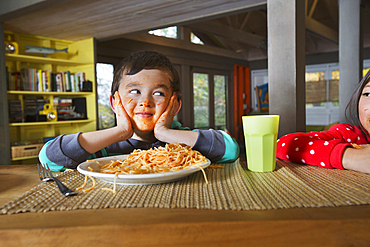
260,134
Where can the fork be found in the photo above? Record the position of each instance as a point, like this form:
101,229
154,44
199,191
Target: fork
46,175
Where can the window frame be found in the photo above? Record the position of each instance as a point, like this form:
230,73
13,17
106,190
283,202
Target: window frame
211,73
98,127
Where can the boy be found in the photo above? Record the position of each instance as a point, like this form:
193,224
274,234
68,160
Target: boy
145,97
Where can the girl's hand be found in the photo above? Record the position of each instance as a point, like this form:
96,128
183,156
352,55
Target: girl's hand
165,121
356,159
123,120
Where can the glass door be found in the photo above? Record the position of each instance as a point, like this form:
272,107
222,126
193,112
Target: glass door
210,100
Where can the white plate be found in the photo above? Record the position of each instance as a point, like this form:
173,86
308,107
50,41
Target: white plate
135,179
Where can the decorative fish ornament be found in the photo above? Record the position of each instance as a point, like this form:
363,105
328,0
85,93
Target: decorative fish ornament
43,50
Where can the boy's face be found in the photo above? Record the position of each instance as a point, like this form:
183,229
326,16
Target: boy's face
364,107
145,97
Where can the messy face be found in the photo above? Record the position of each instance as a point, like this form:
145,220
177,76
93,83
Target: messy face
364,107
145,97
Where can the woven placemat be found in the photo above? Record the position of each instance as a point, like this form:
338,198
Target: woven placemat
230,188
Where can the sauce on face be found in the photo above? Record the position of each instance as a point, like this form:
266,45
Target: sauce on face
146,106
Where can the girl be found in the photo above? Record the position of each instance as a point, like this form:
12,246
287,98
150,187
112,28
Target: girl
343,145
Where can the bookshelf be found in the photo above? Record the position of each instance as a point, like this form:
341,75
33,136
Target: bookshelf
79,59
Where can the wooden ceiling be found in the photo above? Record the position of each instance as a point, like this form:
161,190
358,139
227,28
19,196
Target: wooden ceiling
107,19
227,27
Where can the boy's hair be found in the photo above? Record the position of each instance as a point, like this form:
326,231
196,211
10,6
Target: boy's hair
351,112
140,60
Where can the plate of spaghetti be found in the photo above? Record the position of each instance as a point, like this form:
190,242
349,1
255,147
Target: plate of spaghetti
156,165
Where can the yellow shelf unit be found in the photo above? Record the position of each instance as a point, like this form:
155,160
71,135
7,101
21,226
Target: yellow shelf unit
71,122
25,158
45,60
49,93
80,58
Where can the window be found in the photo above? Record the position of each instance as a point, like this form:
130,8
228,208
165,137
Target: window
334,88
220,101
104,74
322,85
209,90
201,100
169,32
364,71
322,94
194,39
315,76
258,78
322,91
315,88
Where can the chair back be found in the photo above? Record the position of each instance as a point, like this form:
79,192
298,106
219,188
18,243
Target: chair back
262,97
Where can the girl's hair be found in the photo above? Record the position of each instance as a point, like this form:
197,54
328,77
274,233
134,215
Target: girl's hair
140,60
351,112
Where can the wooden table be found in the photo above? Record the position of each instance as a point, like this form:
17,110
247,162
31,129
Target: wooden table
338,226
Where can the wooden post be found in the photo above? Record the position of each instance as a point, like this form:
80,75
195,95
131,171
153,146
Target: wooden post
4,122
286,63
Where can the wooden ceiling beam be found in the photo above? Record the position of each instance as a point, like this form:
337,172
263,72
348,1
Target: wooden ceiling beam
181,44
333,10
366,4
312,9
246,18
228,32
311,43
231,44
320,29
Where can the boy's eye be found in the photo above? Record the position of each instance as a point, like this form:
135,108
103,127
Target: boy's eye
135,91
159,94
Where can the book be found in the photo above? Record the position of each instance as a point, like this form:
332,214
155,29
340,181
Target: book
81,79
77,82
16,83
59,82
64,109
40,102
48,77
39,80
15,111
53,82
29,79
12,81
23,79
67,81
30,109
72,80
8,79
46,81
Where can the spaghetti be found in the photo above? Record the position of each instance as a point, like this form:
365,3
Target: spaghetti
172,157
359,146
83,185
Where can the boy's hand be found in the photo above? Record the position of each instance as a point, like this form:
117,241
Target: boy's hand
165,121
123,120
96,140
163,131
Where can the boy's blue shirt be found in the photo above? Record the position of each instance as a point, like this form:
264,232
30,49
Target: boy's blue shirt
216,145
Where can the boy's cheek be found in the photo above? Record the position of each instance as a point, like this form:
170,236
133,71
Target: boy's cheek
128,103
126,100
163,104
